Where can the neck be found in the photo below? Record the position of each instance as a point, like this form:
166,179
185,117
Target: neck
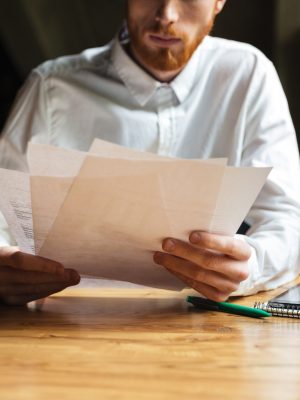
161,76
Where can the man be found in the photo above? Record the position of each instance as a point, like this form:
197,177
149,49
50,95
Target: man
173,90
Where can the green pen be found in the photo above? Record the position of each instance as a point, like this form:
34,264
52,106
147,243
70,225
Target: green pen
230,308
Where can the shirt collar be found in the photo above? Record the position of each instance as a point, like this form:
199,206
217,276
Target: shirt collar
141,85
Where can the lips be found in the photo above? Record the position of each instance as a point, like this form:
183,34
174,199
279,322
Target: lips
164,41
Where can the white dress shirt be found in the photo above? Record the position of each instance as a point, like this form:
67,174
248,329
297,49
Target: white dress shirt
227,102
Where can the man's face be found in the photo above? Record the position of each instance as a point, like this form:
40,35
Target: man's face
165,33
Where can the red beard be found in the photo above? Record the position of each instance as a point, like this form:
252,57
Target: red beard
165,59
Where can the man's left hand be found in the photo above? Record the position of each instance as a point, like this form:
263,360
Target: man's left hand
214,265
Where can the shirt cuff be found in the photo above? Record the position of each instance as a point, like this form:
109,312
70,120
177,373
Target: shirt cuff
248,286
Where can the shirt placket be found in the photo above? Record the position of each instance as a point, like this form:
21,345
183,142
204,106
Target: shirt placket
165,114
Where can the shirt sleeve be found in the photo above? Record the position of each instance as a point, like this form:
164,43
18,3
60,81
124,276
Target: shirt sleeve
27,122
270,140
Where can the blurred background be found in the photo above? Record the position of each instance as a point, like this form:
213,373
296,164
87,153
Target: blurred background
32,31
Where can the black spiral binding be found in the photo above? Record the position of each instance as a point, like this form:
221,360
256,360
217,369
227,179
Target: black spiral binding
279,310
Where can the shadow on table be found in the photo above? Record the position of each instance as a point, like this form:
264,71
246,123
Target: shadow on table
96,317
68,312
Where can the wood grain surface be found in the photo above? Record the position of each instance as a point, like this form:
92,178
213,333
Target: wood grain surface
144,344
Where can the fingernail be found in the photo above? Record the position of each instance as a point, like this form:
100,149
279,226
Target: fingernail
72,275
75,277
194,237
169,245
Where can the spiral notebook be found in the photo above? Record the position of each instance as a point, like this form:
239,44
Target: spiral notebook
286,304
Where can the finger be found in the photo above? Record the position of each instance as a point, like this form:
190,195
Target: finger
13,257
205,290
21,299
230,246
233,269
196,273
11,276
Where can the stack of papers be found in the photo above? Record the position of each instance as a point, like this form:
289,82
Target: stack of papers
105,212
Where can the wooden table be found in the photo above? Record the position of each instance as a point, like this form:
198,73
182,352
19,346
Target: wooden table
144,344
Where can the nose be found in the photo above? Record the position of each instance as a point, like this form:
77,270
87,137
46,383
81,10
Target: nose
168,12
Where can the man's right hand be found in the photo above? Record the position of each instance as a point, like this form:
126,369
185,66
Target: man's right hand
25,277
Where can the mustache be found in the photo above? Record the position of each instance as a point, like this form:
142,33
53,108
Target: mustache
158,29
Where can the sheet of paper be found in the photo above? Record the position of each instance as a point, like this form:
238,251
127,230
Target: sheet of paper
45,160
48,161
47,196
238,192
118,211
122,251
115,216
109,219
15,204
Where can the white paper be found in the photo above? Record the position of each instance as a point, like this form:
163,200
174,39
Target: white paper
15,204
112,241
118,211
105,214
238,192
45,160
48,193
115,216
